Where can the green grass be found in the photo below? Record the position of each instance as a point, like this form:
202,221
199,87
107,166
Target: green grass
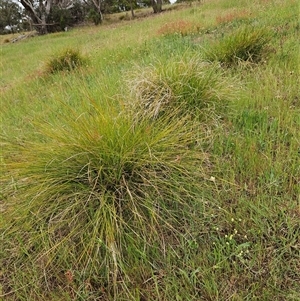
101,201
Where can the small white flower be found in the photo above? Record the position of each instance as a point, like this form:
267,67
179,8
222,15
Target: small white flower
212,179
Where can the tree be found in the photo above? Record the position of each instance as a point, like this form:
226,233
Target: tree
127,5
61,18
40,10
10,15
95,10
157,6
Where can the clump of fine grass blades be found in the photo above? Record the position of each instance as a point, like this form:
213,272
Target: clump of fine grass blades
187,85
69,59
90,196
246,44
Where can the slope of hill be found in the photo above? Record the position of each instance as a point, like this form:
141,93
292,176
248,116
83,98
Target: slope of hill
154,159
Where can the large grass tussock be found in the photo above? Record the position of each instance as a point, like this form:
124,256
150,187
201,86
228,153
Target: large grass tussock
92,190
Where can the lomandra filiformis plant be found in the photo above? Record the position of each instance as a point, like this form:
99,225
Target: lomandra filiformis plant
92,194
187,85
246,44
67,60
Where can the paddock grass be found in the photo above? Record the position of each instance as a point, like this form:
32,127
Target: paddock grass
103,200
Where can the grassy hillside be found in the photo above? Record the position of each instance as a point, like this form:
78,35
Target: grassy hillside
154,159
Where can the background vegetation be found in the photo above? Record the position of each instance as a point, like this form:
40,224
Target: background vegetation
60,15
163,165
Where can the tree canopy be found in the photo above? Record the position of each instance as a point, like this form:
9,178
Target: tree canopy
55,15
10,16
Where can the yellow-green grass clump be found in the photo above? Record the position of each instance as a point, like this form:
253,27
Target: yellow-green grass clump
246,44
90,196
187,85
69,59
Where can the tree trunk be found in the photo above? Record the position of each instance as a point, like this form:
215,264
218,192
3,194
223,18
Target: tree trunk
131,9
157,6
100,14
43,26
99,17
30,10
39,20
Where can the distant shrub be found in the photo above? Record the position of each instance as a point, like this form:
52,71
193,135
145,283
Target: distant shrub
180,27
59,18
67,60
187,85
248,43
125,17
95,16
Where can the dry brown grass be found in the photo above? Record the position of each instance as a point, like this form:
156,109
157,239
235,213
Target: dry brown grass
180,27
233,16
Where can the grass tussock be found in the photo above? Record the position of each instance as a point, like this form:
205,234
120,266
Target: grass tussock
68,60
186,85
246,44
89,192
